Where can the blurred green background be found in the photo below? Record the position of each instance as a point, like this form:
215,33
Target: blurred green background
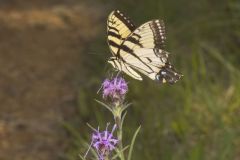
53,61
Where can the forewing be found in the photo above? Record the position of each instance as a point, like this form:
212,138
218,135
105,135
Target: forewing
119,27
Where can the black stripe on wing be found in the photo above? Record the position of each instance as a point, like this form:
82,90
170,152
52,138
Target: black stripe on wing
119,27
125,20
114,34
113,44
135,41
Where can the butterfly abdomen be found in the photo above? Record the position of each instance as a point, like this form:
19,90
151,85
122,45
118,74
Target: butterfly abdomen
168,74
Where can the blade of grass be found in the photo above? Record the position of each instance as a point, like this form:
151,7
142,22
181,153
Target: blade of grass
132,143
91,127
218,56
72,131
81,157
123,117
119,152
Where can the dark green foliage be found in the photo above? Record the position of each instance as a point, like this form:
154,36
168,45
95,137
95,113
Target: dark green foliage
198,117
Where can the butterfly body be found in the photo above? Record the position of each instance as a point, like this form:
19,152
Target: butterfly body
139,50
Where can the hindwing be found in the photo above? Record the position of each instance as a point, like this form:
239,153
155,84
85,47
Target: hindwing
149,35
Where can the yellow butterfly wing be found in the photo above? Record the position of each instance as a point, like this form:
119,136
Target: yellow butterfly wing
119,27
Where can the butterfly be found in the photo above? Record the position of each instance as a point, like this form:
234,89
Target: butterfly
140,50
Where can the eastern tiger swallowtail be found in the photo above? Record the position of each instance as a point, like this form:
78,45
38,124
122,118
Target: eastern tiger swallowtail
139,50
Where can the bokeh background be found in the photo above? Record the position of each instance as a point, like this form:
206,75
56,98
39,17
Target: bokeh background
53,59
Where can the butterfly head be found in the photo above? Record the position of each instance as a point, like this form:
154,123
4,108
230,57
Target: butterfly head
168,74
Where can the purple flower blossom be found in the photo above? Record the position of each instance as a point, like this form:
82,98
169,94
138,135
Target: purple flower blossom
104,142
115,88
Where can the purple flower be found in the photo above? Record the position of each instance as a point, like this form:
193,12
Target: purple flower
115,88
104,142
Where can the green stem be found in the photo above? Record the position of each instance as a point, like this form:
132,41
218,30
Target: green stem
118,120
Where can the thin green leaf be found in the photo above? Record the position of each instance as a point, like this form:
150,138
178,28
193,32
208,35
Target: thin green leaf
91,150
119,152
81,157
91,127
105,105
132,143
123,117
125,107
